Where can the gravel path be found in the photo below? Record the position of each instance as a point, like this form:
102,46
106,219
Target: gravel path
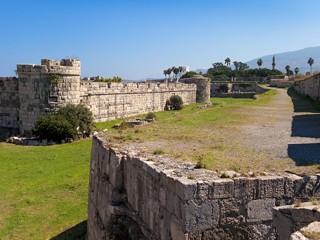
287,128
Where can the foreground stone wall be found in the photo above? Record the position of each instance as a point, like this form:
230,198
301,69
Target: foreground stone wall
109,101
162,198
309,87
9,103
289,220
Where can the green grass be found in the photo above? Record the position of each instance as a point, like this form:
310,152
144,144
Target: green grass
43,190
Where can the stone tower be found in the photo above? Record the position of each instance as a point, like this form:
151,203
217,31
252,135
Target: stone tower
46,87
203,87
273,63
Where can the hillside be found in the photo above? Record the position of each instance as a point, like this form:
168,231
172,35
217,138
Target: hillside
294,59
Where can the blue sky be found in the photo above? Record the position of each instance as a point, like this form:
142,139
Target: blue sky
139,39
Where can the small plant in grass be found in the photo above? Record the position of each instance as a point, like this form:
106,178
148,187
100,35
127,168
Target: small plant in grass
151,116
158,151
200,164
297,202
224,175
191,177
150,159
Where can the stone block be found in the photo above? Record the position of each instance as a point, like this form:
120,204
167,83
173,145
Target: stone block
292,184
283,223
233,211
221,188
246,188
260,210
202,190
199,216
270,187
185,188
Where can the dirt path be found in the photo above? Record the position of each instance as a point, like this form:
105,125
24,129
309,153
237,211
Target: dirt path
289,128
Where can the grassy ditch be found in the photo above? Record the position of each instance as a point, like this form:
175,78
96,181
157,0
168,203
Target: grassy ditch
43,190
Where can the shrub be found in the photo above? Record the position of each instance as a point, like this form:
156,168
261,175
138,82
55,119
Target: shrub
54,127
79,117
175,103
66,123
151,115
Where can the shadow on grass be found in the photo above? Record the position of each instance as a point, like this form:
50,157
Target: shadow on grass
305,154
77,232
306,126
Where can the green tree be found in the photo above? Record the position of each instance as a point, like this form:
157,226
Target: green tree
219,70
175,102
259,62
296,70
287,70
79,117
311,62
175,71
189,74
227,61
165,74
180,70
169,71
54,127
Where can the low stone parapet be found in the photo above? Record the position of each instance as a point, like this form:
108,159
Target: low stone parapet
170,199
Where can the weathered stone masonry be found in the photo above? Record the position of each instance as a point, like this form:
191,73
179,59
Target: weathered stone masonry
44,88
309,87
167,199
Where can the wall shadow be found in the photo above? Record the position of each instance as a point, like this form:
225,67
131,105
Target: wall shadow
300,103
305,154
306,126
77,232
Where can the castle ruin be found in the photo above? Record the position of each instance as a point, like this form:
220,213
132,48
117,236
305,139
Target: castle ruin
41,89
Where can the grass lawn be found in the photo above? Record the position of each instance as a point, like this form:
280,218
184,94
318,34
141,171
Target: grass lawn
43,190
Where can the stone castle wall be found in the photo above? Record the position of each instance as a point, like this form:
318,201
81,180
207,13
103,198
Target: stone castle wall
309,87
44,88
9,103
109,101
161,198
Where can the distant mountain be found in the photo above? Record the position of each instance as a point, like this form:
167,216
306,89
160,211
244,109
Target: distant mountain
294,59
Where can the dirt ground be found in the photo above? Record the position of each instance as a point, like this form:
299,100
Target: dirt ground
288,128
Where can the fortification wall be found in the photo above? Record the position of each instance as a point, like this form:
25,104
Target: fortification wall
203,87
109,101
53,84
309,87
9,102
161,198
46,87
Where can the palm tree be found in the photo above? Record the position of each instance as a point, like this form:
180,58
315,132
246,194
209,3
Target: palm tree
287,70
227,61
175,71
296,70
180,70
259,62
165,74
169,71
311,62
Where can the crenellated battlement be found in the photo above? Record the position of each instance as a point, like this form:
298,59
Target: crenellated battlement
41,89
61,67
